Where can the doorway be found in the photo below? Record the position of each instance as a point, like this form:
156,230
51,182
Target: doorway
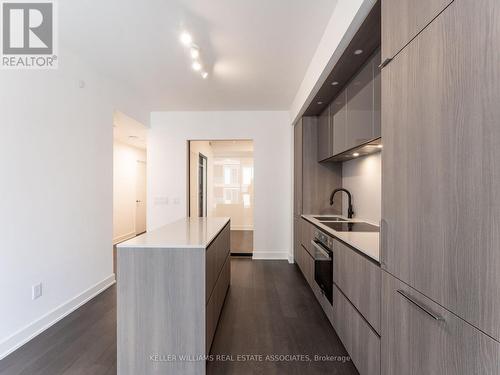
140,201
202,185
221,184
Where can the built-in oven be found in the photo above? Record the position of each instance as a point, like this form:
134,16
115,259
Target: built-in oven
323,263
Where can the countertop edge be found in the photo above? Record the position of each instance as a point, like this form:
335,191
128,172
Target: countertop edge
202,246
335,234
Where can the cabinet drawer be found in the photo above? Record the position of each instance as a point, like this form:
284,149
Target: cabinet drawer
361,342
421,337
307,234
360,280
402,20
215,303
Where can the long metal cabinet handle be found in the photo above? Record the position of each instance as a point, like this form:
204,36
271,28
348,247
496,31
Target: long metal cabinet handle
421,306
321,250
383,243
385,62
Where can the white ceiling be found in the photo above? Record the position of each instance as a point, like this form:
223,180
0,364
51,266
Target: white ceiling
257,51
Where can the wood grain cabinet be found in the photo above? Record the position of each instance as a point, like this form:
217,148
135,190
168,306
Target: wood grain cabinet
307,235
419,337
325,136
338,115
360,94
360,340
360,281
402,20
441,163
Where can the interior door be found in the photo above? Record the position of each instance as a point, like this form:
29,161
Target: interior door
140,200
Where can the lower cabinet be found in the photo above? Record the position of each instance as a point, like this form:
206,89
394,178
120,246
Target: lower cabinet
307,235
360,340
360,280
419,337
218,276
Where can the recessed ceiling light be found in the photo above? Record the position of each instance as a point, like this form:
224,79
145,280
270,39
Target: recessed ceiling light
196,66
335,83
195,52
356,154
186,38
320,102
204,75
358,52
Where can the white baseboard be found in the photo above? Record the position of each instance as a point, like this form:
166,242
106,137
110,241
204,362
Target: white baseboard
123,238
270,255
33,329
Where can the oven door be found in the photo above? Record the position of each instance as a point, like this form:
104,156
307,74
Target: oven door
323,269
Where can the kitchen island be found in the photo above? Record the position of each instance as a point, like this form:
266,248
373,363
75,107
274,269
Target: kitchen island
171,285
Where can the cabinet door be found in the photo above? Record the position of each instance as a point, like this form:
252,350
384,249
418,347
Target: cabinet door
297,234
360,340
441,163
402,20
338,113
360,107
359,279
377,93
307,235
297,168
419,337
324,135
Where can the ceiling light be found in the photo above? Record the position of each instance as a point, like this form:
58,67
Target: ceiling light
356,154
196,66
380,146
204,75
186,38
320,102
358,52
195,52
335,83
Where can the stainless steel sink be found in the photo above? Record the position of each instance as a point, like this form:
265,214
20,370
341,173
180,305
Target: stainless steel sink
329,218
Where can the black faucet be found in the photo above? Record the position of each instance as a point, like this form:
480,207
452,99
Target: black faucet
350,211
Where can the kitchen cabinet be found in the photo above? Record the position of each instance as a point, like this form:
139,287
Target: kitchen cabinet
354,114
307,235
297,231
441,164
360,340
419,337
402,20
318,179
360,281
297,168
360,93
338,115
324,135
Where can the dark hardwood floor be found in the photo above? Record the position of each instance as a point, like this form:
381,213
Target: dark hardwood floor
269,310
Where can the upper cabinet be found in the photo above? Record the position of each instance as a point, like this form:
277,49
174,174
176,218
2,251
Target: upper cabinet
441,163
324,135
353,117
338,118
360,101
402,20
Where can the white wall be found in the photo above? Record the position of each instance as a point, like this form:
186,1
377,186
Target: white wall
125,160
346,19
56,222
363,178
167,169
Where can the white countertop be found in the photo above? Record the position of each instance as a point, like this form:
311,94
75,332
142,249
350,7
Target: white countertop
365,242
191,232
